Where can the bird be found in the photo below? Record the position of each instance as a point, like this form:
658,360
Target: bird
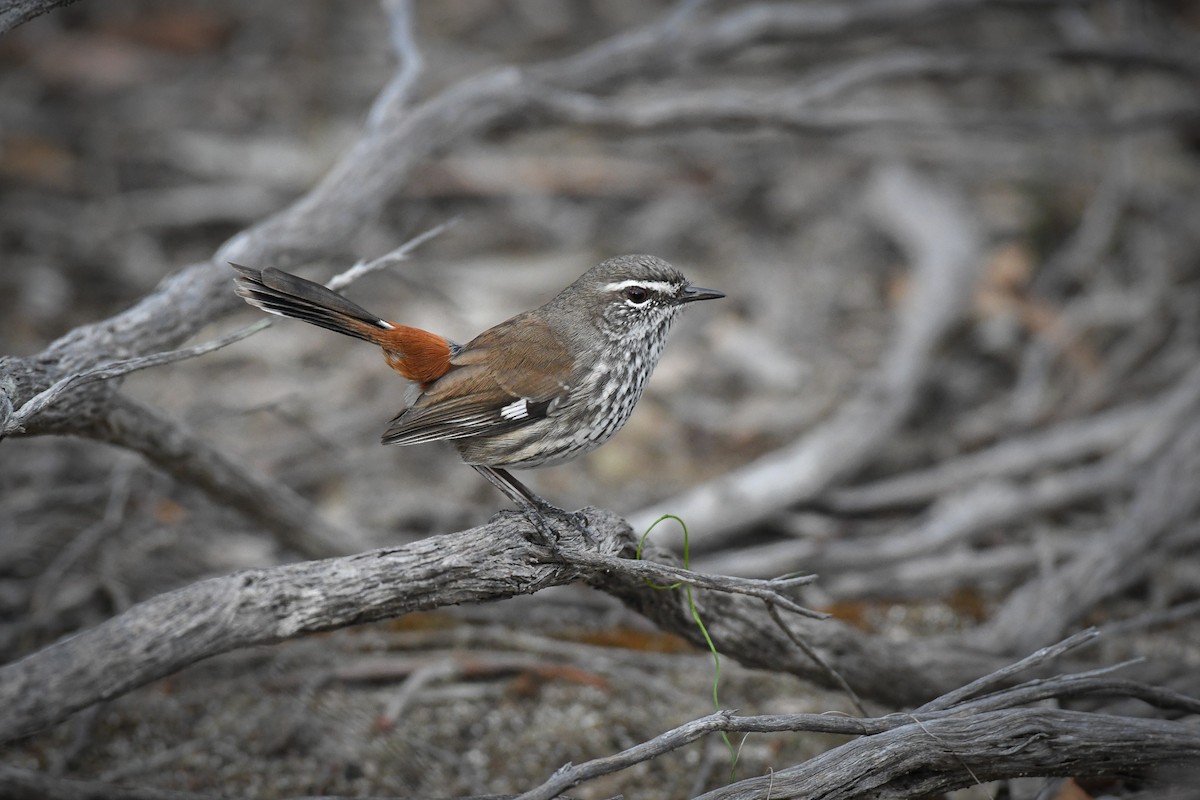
540,388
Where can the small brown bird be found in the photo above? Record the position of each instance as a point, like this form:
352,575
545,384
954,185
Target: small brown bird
540,388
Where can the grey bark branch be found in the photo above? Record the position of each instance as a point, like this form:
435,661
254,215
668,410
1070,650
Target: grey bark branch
896,756
18,12
984,705
925,758
400,89
168,632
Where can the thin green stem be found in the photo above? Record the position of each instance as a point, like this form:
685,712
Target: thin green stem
733,751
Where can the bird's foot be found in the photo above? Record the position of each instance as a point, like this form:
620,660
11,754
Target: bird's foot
544,530
579,521
548,522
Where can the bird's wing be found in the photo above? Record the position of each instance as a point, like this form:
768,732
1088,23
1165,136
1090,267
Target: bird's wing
509,376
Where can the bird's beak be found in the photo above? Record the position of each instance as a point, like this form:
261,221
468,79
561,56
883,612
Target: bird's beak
693,293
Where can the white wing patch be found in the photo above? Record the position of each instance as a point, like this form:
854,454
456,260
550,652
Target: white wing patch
517,409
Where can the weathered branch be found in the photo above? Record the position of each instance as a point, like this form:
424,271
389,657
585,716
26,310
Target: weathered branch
890,754
168,632
399,91
173,630
924,758
18,12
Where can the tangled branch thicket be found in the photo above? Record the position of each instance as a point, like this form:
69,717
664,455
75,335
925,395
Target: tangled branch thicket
956,378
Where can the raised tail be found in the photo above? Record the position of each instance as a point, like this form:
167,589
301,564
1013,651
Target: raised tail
416,354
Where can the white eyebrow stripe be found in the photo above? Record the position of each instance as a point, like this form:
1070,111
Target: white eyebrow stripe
662,287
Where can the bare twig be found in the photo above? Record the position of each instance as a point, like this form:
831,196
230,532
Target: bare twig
398,93
789,110
17,12
927,757
990,682
768,590
389,259
15,422
834,675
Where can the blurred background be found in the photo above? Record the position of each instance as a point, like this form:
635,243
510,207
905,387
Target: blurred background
137,137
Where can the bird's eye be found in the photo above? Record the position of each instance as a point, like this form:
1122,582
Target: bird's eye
636,294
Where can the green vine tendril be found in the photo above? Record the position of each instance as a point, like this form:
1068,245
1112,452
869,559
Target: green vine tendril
687,587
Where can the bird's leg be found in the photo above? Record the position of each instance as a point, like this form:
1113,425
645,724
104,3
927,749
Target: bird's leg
538,510
529,503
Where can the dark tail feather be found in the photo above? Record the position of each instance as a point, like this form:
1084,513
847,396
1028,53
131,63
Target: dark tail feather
287,295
